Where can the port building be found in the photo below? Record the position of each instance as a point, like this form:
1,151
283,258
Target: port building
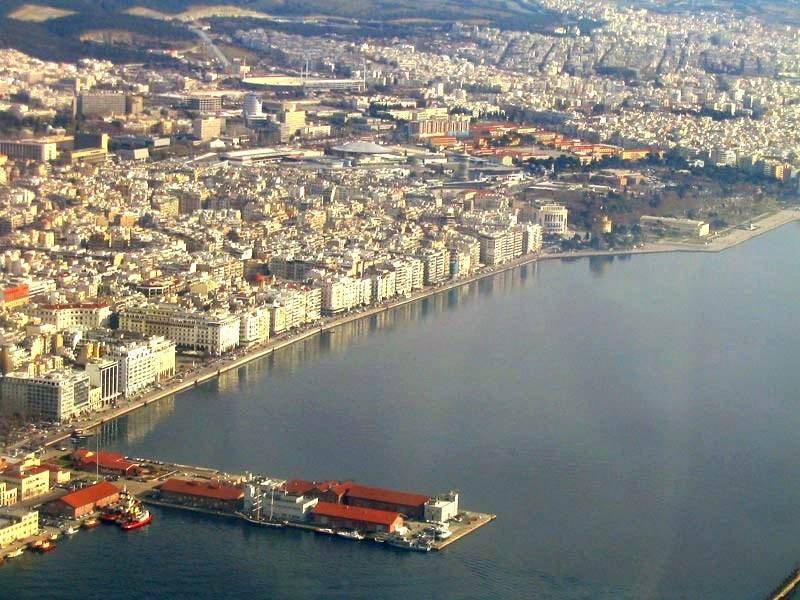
202,494
83,502
329,514
105,462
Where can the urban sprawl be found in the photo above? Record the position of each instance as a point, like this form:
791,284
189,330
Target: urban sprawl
157,220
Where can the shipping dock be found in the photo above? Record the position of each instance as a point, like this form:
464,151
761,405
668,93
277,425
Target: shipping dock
106,487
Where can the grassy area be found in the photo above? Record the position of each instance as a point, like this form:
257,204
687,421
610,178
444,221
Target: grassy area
37,13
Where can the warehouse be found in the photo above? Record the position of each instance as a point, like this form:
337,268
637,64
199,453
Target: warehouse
85,501
410,505
353,517
202,494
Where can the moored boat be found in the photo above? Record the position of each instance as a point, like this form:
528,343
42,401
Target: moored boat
134,522
91,522
44,547
70,530
350,534
325,530
16,553
415,544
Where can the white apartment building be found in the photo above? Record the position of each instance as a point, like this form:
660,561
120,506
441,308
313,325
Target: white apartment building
214,334
142,363
341,293
74,316
254,325
384,285
436,265
409,274
497,247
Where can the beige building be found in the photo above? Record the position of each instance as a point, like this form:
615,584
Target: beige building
30,483
214,334
553,218
74,316
8,494
18,526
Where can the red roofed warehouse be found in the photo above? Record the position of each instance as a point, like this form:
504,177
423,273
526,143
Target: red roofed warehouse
85,501
108,462
202,494
411,505
353,517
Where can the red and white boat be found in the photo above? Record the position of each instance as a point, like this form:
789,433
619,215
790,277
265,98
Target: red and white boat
134,522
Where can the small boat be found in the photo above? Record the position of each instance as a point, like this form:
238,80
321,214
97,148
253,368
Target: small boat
70,530
91,522
16,553
417,545
142,519
325,530
54,537
45,547
350,534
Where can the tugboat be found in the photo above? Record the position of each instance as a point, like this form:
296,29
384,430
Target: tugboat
136,520
44,547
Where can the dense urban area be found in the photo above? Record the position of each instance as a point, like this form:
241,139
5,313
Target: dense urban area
256,179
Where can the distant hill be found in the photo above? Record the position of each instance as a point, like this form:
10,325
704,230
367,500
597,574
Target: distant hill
54,28
775,11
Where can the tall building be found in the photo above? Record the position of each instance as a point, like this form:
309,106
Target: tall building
208,128
436,265
101,104
104,374
55,396
252,106
204,103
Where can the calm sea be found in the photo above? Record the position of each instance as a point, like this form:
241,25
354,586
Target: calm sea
633,422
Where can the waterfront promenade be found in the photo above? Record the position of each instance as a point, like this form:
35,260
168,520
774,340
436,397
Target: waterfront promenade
186,380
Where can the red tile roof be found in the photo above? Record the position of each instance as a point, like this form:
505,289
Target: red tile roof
355,513
90,495
203,489
106,460
374,494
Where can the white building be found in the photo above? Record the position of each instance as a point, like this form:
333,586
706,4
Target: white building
266,499
254,325
214,334
143,363
74,316
553,218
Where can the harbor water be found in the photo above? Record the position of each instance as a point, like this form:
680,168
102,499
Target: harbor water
633,422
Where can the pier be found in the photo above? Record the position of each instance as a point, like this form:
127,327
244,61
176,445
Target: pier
145,486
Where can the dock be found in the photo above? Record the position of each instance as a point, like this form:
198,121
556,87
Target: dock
145,486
